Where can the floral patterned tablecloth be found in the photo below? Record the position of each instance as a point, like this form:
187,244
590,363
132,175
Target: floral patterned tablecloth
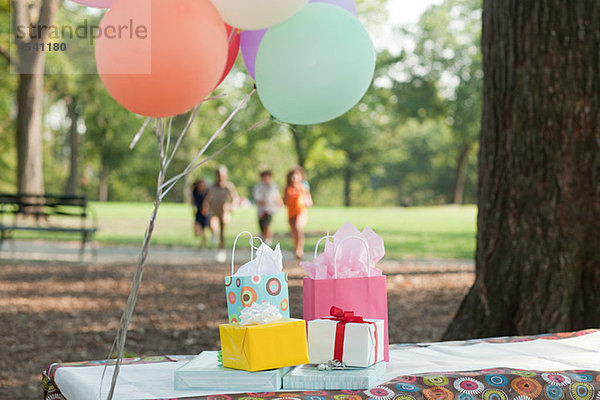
485,384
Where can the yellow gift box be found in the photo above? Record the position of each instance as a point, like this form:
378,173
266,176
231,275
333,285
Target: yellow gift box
268,346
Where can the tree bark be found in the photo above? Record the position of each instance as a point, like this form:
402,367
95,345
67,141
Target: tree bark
347,185
300,151
461,174
537,258
103,180
30,173
73,180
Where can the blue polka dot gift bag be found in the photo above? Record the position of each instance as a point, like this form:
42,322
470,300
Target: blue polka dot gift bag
260,279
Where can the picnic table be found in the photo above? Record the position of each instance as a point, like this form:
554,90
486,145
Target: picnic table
552,366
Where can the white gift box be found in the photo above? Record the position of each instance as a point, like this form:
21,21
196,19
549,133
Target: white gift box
362,345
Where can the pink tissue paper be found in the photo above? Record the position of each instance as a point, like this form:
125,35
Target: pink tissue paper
351,257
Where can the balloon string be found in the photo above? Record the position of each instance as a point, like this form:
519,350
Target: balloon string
169,135
289,126
162,189
191,118
216,153
187,127
121,336
187,170
138,135
234,32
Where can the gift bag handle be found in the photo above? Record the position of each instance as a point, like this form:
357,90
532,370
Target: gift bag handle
364,242
252,248
328,236
339,245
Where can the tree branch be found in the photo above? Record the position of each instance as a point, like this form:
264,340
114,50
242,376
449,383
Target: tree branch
19,16
48,10
5,53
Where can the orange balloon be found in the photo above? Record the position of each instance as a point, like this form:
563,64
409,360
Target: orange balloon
160,58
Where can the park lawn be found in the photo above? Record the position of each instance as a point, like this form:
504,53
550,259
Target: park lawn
444,232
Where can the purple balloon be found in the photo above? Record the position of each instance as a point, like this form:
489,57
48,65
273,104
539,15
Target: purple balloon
347,5
250,40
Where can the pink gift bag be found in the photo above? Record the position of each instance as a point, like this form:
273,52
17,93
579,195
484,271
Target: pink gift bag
363,291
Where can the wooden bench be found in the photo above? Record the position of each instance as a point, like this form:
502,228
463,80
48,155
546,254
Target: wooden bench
66,214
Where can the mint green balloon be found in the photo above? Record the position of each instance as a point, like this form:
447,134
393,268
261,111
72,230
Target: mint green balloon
315,66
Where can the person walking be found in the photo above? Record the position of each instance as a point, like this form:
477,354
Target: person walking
268,200
199,193
219,203
297,199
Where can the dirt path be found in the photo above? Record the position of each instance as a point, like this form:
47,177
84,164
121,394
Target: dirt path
64,311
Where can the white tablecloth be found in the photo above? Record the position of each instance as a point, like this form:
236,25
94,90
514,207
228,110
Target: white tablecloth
155,381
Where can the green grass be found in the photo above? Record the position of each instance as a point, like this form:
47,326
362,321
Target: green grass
418,232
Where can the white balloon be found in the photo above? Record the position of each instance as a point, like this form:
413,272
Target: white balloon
257,14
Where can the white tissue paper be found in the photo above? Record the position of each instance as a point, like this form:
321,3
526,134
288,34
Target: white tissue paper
267,261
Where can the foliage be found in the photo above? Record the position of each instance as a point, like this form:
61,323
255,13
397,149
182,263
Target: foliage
400,146
445,75
8,86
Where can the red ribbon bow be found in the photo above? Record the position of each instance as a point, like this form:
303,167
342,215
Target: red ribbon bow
344,317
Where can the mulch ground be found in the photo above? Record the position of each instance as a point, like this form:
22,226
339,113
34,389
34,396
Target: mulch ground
53,312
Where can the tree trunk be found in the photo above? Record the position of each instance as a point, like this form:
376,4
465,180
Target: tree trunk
300,152
30,173
103,180
347,185
73,180
537,259
461,174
